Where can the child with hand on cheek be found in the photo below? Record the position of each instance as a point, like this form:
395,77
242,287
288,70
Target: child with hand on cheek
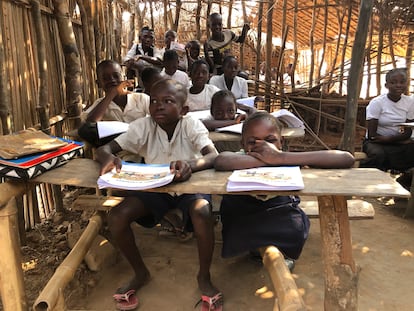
223,111
254,221
166,136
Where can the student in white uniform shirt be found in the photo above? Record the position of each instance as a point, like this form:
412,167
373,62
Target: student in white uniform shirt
171,71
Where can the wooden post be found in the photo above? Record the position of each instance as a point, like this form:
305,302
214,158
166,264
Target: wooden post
354,79
4,85
341,283
286,290
51,295
269,48
258,47
11,275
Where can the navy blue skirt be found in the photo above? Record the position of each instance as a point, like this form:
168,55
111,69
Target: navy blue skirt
250,223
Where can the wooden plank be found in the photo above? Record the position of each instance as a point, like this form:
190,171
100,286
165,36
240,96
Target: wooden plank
357,209
371,182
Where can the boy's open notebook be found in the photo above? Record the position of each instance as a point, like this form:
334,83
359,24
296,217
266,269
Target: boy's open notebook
134,176
266,178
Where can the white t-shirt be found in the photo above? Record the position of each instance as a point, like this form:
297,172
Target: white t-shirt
146,138
179,76
239,87
389,114
202,100
137,107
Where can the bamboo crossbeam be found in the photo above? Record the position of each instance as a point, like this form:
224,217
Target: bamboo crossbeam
51,296
287,292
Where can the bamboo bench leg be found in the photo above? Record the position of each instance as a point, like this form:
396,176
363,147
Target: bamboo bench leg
51,297
11,275
283,282
341,273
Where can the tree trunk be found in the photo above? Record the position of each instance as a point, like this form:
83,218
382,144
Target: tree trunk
368,57
152,15
72,62
177,14
165,15
42,102
230,4
295,45
354,79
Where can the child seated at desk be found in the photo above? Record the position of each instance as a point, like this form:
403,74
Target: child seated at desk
200,93
224,111
254,221
166,136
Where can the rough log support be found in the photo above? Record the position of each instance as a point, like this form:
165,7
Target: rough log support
341,283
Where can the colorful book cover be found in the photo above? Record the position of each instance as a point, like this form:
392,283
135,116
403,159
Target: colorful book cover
266,178
134,176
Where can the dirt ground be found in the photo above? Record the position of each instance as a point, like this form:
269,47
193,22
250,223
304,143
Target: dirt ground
383,248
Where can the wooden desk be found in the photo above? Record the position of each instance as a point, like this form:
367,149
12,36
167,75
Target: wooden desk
331,186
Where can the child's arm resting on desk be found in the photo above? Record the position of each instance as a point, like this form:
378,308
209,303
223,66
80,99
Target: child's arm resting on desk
106,158
266,154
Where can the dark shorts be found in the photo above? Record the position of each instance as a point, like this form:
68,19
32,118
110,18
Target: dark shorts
250,223
160,203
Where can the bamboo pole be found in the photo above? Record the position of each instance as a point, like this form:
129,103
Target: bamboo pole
354,79
4,83
12,285
258,47
52,292
42,100
287,292
72,61
345,46
269,46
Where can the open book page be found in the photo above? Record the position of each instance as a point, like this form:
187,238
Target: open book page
137,177
289,118
266,178
248,101
108,128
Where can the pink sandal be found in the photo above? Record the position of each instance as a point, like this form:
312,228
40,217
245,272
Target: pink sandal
126,301
214,303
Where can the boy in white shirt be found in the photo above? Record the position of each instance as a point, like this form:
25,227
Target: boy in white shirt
171,68
167,136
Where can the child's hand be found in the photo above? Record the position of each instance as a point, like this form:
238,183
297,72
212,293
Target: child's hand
109,164
181,170
122,88
264,151
240,117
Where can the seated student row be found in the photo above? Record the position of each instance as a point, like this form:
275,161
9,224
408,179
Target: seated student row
118,104
168,135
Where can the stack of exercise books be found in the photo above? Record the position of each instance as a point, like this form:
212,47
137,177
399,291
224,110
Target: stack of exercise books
266,178
134,176
27,154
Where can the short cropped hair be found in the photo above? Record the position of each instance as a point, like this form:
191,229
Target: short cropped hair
228,59
215,99
146,28
180,89
148,73
170,55
262,115
197,63
105,63
394,71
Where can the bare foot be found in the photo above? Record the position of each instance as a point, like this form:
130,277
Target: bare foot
136,283
206,287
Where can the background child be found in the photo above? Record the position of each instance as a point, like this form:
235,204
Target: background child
200,93
250,222
118,104
224,111
219,44
229,79
166,136
171,68
387,144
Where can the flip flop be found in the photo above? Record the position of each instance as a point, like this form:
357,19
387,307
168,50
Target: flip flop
214,303
126,301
